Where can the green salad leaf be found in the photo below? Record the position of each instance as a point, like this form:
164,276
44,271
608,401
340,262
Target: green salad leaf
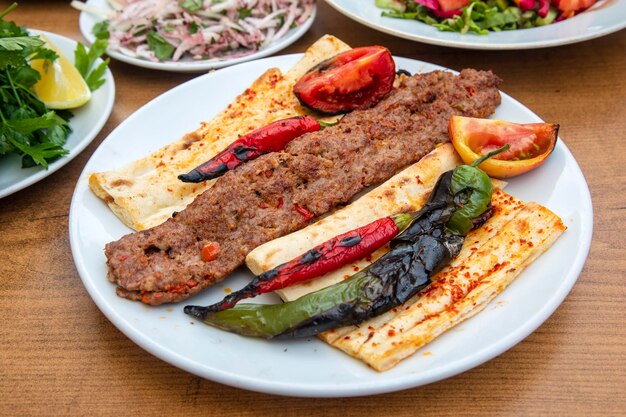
478,17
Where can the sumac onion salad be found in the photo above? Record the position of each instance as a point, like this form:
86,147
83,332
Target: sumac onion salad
159,30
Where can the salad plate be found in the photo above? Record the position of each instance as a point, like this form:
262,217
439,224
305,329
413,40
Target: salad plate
603,18
88,20
322,371
86,123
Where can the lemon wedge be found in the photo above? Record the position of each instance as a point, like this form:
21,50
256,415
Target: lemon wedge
61,86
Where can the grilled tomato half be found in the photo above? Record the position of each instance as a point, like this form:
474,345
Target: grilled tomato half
530,144
355,79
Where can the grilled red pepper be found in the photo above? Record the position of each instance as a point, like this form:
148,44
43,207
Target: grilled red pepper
271,138
329,256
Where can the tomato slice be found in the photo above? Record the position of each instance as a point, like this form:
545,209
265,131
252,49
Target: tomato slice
530,144
355,79
568,6
449,5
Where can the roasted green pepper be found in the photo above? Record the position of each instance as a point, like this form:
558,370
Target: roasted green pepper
424,248
472,189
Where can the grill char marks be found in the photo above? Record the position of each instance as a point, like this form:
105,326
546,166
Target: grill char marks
257,202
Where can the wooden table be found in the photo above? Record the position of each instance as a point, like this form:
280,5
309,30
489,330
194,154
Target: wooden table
60,356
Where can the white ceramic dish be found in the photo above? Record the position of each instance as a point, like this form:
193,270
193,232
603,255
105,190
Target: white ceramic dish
309,367
603,18
86,123
87,21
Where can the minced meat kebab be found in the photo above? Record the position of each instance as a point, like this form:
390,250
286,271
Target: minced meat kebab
281,192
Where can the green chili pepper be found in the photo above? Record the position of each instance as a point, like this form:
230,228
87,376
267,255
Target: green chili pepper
473,188
269,320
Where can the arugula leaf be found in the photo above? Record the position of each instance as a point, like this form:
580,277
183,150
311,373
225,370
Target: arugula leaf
161,48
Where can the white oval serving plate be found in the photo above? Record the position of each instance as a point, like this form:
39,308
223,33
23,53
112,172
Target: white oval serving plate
308,367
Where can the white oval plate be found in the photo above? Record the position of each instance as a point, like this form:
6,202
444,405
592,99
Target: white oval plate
606,16
309,367
86,123
87,21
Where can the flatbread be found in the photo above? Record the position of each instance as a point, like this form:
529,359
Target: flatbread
488,263
492,256
146,192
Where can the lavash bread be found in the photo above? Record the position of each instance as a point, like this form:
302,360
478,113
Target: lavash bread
491,258
147,191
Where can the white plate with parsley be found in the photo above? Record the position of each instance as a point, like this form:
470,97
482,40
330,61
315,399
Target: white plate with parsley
85,124
603,18
156,46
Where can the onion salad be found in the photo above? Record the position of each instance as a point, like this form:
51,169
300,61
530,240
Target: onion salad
171,30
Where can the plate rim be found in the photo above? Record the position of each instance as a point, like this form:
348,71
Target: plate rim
84,142
471,45
199,66
318,390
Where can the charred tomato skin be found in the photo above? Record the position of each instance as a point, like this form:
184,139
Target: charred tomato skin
531,143
355,79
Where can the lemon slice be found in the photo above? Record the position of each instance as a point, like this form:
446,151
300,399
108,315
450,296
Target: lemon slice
61,86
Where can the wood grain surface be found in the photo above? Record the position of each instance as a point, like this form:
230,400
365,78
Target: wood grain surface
60,356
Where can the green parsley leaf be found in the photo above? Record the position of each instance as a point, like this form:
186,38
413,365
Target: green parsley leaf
27,127
161,48
95,79
19,43
81,59
43,53
101,30
11,58
25,76
191,5
84,60
243,12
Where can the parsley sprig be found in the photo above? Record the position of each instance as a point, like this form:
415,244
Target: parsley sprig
27,127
